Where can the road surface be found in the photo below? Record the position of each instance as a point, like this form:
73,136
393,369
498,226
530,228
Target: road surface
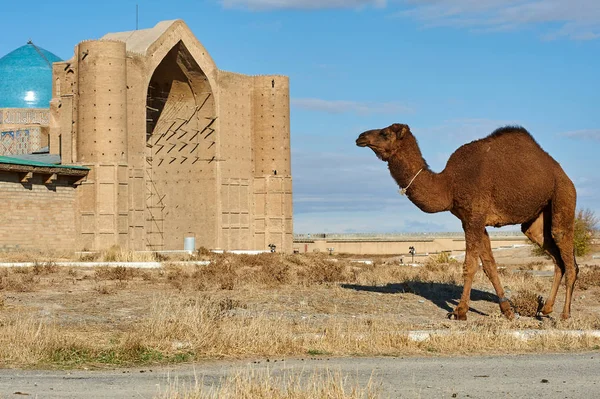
519,376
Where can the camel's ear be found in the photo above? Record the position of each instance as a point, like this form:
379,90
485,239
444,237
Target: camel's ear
400,130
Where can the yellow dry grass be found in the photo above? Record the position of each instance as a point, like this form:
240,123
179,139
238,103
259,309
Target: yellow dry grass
262,384
265,305
112,254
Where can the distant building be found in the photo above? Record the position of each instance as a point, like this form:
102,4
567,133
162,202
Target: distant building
156,144
25,93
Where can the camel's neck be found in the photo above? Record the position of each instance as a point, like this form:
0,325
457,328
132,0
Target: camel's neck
429,191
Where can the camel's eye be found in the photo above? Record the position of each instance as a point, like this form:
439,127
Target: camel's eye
384,133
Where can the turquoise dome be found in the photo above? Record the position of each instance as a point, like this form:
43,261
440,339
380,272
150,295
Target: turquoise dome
26,77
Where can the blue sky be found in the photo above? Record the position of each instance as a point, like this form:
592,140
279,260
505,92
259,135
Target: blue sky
452,70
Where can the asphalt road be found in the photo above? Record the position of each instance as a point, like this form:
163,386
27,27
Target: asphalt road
523,376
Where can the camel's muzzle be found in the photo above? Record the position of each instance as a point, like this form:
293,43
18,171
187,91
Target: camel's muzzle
362,141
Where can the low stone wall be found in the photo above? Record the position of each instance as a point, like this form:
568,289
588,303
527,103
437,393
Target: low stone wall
397,244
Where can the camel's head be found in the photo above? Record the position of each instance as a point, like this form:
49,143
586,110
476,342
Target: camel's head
384,142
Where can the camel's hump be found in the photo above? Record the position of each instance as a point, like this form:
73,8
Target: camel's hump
511,129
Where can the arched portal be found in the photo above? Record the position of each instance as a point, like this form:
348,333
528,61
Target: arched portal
180,154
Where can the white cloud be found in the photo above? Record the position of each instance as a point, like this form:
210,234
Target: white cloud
574,19
340,107
586,134
577,19
301,4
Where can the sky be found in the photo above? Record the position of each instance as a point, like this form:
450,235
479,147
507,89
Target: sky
452,70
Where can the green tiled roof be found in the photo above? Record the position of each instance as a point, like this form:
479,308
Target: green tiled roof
17,161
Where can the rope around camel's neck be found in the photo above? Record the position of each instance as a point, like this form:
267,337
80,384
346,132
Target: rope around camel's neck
405,171
428,191
403,190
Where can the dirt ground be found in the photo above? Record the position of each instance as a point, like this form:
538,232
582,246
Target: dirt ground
116,301
80,296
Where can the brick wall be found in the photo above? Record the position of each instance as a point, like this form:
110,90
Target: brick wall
35,215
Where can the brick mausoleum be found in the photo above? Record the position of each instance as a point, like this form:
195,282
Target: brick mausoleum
146,142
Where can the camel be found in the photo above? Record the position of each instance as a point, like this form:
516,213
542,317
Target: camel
503,179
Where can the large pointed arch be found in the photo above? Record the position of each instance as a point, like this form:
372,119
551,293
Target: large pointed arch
180,120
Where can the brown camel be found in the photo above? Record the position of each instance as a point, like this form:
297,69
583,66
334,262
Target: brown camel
505,178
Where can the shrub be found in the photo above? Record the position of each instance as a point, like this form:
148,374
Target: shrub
440,262
120,273
586,224
526,303
589,277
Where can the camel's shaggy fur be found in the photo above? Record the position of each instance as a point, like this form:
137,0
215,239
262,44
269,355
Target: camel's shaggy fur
505,178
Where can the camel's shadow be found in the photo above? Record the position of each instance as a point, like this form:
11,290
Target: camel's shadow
441,294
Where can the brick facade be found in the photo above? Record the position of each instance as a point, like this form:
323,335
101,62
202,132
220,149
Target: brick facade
37,215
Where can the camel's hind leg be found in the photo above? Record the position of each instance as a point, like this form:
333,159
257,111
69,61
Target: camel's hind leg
563,224
491,271
539,231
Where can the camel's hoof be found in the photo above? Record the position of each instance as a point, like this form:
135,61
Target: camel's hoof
510,315
540,316
507,310
545,312
565,316
457,316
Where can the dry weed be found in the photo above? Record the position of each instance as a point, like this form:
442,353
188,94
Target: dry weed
538,265
117,254
440,262
263,384
104,289
526,303
120,273
589,277
322,270
34,256
44,268
220,273
19,282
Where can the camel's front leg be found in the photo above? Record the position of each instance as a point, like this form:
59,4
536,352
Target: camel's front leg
469,269
490,269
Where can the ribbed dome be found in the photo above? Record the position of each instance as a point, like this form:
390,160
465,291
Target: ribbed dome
26,77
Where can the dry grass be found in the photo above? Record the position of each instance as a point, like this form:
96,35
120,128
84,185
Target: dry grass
120,273
538,265
34,256
588,278
184,328
262,384
113,254
526,303
265,305
116,254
